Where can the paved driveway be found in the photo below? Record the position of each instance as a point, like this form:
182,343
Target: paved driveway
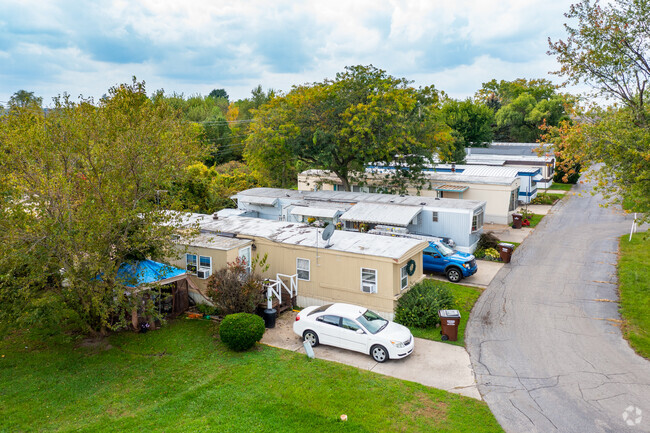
544,337
434,364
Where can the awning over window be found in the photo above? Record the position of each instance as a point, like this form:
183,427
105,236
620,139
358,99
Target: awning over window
451,188
314,212
262,201
537,177
376,213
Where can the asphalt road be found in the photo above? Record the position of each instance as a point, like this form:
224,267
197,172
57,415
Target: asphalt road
544,338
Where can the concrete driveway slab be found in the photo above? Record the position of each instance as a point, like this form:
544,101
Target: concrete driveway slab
434,364
506,233
482,278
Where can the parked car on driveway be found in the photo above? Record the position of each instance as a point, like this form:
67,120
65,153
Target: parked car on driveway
438,257
354,328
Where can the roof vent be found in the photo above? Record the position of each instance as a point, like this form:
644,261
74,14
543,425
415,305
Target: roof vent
437,198
423,203
215,216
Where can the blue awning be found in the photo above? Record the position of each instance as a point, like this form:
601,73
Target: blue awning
145,272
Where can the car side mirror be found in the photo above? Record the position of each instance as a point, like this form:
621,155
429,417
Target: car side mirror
436,256
360,331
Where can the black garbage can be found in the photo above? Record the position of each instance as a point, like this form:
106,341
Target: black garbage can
517,220
505,251
449,322
269,317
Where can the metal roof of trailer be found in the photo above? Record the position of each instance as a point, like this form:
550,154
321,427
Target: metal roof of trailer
507,171
312,211
340,199
381,213
305,235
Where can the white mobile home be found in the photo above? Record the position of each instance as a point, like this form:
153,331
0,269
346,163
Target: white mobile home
459,220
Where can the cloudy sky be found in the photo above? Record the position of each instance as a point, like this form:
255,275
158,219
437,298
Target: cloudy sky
194,46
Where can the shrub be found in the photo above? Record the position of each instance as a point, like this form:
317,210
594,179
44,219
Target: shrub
419,306
235,290
479,253
492,254
206,309
241,331
487,240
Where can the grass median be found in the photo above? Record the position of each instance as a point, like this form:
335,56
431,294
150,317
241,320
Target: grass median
180,379
634,287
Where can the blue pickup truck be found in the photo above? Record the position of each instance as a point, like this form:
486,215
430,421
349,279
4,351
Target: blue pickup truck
438,257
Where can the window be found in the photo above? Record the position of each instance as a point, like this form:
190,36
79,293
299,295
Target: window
368,280
302,269
205,267
477,220
349,324
190,262
404,278
434,217
330,320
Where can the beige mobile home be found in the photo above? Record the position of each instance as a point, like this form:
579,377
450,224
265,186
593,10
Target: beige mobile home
357,268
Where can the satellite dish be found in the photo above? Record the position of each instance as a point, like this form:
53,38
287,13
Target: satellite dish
327,233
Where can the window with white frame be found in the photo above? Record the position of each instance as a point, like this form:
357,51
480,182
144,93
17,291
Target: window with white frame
205,267
404,278
302,269
190,263
477,220
368,280
434,217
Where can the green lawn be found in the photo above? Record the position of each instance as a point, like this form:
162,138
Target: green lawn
634,287
465,297
534,219
546,198
179,379
560,186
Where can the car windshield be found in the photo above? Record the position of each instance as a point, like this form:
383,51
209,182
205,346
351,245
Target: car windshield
444,249
372,322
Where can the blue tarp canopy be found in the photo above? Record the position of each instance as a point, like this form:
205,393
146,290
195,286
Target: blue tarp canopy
144,272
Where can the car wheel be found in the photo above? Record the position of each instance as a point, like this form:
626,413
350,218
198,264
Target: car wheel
379,353
311,337
454,275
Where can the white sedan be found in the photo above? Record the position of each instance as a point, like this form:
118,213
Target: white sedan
354,328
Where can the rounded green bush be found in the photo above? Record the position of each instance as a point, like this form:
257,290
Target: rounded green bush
240,331
419,306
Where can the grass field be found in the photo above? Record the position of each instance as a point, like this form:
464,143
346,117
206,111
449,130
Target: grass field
179,379
465,297
535,219
634,287
560,186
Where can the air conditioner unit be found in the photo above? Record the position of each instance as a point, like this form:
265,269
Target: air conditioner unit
203,274
368,288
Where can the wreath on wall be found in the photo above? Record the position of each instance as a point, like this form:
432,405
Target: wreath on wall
410,267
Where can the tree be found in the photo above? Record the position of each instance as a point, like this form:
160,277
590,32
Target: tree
608,49
471,120
81,193
364,116
522,106
23,99
219,93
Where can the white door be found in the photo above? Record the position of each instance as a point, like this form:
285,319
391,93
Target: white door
328,330
245,254
351,338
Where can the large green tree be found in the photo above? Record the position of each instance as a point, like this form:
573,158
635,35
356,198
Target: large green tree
522,106
82,192
471,120
608,48
363,116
